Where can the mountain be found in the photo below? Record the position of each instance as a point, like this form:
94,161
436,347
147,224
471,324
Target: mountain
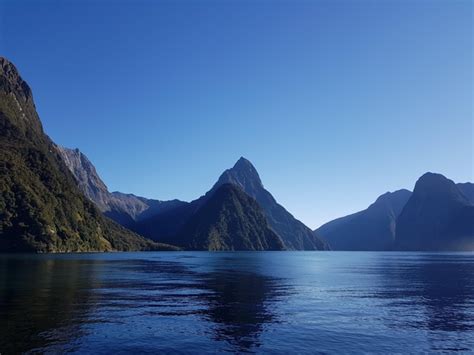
467,189
295,235
370,229
86,176
41,208
229,220
437,217
125,209
163,227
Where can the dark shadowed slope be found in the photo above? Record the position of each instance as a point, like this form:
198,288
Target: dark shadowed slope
229,220
436,217
41,208
125,209
163,227
370,229
467,189
294,233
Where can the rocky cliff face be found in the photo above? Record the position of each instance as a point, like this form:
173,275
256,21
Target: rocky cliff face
41,208
86,176
370,229
18,108
438,217
125,209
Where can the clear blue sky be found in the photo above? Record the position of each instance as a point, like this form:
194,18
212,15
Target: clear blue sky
335,102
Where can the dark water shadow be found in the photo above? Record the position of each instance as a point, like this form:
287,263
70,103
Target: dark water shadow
440,289
43,301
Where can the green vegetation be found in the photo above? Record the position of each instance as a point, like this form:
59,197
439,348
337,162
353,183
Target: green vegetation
295,235
229,220
41,208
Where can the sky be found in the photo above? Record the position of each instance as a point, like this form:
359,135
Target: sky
334,102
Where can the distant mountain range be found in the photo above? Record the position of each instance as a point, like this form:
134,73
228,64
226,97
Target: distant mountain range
125,209
53,200
371,229
171,221
437,216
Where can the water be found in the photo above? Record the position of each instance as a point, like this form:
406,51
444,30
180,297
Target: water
197,302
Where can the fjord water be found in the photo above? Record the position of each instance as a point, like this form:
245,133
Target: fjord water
199,302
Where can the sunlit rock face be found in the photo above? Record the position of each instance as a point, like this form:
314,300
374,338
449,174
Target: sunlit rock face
125,209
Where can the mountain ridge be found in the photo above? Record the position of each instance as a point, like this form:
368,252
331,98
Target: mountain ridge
437,217
41,208
245,209
124,208
467,189
371,229
229,220
51,199
293,232
163,227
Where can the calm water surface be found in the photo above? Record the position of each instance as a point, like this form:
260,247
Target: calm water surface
197,302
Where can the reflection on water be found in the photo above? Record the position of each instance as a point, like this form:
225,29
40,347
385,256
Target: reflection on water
440,288
239,302
234,301
39,297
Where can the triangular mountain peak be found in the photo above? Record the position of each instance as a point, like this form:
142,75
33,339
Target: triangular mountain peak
242,174
245,166
294,234
243,163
